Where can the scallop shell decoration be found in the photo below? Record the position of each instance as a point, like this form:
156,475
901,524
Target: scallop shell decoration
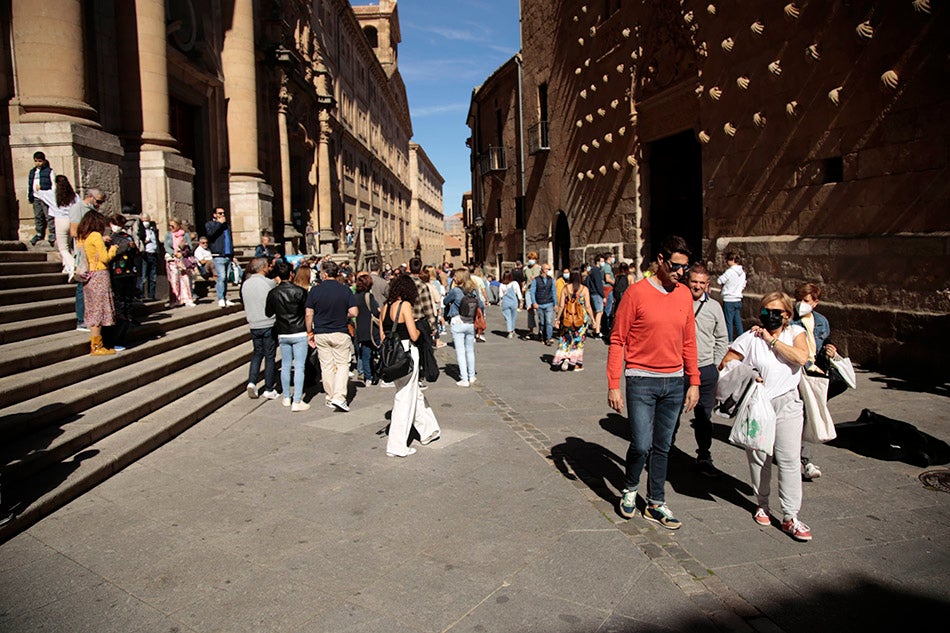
615,165
601,111
603,170
595,143
890,79
729,129
699,90
580,175
865,30
688,18
626,32
579,123
715,93
620,68
834,95
585,148
609,137
575,18
758,119
632,160
791,108
622,131
589,118
583,94
703,137
580,41
921,6
743,83
727,44
615,103
776,67
606,78
577,70
584,8
587,63
590,175
812,52
593,31
593,87
711,9
757,28
791,11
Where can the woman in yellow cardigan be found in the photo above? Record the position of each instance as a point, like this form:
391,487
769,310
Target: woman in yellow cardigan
97,292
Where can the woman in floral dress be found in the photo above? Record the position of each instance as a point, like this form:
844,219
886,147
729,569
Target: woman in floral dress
570,350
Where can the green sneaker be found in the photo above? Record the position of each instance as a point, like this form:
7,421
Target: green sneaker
628,503
662,515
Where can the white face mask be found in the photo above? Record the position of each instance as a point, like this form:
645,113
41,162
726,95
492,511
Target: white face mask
531,262
803,308
114,228
566,275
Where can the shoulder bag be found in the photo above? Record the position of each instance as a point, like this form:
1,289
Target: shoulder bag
394,360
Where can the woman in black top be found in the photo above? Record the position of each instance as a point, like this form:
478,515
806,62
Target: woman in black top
410,407
287,304
367,336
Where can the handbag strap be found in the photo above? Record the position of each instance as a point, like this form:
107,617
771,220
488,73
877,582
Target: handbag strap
392,329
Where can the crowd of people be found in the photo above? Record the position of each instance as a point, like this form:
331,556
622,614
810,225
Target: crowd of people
668,339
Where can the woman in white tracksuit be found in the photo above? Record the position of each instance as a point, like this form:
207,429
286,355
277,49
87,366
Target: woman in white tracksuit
777,350
410,407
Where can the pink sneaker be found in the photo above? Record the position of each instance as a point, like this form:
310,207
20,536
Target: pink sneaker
796,529
762,516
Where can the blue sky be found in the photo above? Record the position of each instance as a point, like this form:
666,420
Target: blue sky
449,47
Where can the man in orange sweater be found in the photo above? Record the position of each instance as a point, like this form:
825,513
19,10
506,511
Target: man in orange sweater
652,346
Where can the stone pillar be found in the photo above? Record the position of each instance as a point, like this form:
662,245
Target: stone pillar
49,110
323,209
251,197
154,172
291,235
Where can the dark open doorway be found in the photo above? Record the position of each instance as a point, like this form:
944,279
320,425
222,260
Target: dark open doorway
676,191
562,242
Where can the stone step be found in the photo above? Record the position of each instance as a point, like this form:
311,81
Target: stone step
33,383
47,350
12,245
92,386
36,280
29,268
22,256
24,328
22,311
57,485
31,294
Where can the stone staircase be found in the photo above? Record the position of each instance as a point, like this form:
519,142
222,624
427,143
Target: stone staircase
68,421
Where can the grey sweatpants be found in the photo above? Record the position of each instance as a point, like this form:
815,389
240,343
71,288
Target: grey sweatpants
787,451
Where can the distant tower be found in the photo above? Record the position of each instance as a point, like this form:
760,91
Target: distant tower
380,24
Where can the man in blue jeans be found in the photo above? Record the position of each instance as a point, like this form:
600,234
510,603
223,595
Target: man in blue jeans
652,346
222,250
541,299
254,294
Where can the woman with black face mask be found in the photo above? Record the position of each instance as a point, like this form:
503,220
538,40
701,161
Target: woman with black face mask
777,350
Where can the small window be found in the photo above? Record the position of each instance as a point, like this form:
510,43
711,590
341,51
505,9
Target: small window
372,36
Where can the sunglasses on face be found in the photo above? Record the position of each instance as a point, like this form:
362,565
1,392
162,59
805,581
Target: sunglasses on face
778,314
677,267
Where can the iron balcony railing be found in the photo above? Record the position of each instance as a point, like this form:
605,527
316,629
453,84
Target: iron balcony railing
492,160
538,137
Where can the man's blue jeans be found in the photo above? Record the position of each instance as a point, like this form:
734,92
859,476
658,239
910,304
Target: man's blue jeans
265,348
293,354
733,313
653,407
546,320
148,276
221,270
364,360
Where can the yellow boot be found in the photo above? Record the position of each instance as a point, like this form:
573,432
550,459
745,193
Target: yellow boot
97,348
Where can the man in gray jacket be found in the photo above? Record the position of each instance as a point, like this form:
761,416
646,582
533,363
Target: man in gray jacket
254,295
712,343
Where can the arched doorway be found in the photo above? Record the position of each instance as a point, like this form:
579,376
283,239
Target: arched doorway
562,242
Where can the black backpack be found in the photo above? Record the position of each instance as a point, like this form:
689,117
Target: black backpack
468,307
394,361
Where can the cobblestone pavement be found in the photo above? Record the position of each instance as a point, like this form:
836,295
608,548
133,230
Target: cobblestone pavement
258,519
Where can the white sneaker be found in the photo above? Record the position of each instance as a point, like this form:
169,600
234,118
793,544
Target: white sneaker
340,404
463,383
270,395
189,304
300,406
221,303
228,303
811,471
252,390
472,380
387,385
285,402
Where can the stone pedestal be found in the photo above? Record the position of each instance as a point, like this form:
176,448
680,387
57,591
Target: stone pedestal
252,203
88,157
167,186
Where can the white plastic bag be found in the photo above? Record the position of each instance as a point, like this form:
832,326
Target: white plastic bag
755,421
845,369
819,426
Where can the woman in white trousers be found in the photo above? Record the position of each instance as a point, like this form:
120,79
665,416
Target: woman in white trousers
410,408
777,350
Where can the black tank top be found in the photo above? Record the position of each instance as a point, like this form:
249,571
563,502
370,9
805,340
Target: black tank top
401,330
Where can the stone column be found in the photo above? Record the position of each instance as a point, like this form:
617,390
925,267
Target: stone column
251,197
49,110
291,235
323,209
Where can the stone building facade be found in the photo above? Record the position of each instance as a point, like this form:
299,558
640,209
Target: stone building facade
280,111
426,221
812,137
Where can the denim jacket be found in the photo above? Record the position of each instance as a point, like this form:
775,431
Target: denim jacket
454,299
